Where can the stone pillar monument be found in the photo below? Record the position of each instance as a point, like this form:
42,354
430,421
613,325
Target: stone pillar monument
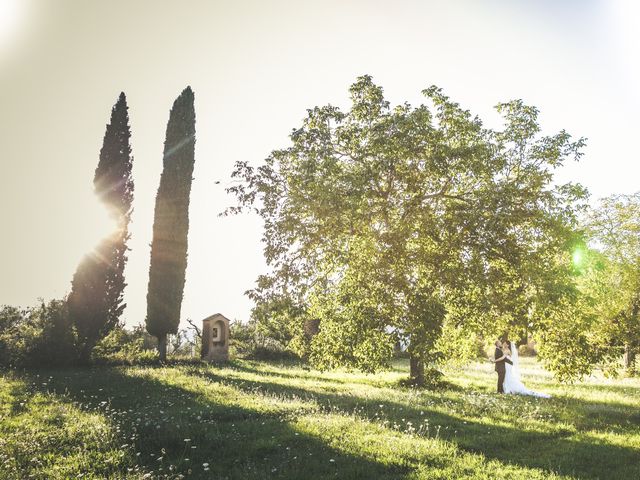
215,338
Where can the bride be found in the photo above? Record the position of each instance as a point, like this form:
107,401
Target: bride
512,383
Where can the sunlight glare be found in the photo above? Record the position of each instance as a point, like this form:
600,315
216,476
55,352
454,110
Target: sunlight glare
11,13
98,226
577,257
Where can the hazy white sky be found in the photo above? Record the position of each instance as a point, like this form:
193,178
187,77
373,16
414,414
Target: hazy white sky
255,66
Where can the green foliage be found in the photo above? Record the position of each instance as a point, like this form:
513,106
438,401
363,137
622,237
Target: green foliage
113,182
92,307
566,346
381,222
274,320
613,282
457,346
124,347
97,290
243,337
351,332
16,336
171,223
57,343
38,336
248,340
343,341
594,326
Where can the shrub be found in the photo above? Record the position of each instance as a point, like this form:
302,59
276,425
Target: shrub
272,354
125,347
57,343
37,336
248,340
18,336
242,338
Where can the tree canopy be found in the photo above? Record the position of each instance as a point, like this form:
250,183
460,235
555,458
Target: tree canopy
386,223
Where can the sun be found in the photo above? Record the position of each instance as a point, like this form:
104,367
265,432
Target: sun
96,226
11,14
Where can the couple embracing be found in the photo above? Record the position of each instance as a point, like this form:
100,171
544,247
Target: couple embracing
508,368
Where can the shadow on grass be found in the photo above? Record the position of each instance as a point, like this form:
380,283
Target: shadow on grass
603,415
561,451
154,418
248,366
316,376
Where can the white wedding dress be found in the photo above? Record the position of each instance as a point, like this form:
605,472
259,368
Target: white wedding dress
512,383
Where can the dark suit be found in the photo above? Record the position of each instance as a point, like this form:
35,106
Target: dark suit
500,368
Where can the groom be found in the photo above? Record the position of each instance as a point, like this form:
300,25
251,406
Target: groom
500,359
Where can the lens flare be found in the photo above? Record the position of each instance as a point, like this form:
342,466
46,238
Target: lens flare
577,257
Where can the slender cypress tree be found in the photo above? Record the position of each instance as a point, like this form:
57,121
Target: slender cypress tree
171,223
97,290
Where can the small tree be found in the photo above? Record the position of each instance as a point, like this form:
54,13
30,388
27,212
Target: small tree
171,223
97,290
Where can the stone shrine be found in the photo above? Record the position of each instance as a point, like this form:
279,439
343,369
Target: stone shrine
215,338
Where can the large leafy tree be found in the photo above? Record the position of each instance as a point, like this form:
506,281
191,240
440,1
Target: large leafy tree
382,222
97,290
171,223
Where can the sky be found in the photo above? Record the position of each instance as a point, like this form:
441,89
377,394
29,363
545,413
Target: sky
255,68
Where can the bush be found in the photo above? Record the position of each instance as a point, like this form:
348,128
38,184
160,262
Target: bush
43,336
271,354
57,344
37,336
125,347
242,338
248,341
18,335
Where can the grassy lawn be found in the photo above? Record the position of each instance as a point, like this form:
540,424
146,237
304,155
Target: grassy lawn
258,420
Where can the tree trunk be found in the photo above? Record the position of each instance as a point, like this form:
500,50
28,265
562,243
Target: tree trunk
416,372
311,328
162,347
84,356
629,357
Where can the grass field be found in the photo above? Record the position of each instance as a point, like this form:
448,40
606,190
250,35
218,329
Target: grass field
253,420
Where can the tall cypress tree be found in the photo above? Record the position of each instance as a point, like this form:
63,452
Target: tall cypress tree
97,289
171,223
